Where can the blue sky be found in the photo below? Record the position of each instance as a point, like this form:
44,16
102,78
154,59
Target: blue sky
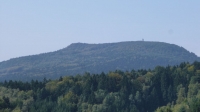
30,27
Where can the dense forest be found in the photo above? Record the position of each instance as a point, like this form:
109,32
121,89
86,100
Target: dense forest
79,58
163,89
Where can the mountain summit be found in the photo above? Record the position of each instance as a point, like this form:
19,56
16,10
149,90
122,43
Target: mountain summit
78,58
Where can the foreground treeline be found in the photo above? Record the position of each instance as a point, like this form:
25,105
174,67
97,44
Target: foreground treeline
164,89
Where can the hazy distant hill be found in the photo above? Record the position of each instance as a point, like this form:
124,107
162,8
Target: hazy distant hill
78,58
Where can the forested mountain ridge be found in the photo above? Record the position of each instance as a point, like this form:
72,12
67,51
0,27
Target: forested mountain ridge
78,58
163,89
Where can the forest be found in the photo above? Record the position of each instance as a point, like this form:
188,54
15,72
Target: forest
162,89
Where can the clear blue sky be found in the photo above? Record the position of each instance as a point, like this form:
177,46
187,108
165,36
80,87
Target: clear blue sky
30,27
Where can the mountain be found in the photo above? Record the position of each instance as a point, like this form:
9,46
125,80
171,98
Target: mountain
78,58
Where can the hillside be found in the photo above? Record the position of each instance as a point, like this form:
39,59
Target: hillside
78,58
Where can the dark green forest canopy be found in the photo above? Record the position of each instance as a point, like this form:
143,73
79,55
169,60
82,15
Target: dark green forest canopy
163,89
79,58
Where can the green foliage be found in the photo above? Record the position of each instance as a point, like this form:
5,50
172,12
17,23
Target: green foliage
177,87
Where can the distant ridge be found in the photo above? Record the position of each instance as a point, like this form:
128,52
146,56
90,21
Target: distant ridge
78,58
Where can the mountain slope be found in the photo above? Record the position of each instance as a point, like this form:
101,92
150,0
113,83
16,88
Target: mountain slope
95,58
